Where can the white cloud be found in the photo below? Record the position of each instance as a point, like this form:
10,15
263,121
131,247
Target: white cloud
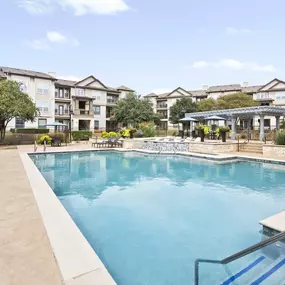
56,37
40,44
78,7
235,31
233,64
51,39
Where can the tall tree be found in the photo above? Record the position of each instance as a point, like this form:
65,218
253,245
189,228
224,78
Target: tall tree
133,110
14,103
180,108
207,105
238,100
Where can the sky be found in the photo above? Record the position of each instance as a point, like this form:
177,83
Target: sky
147,45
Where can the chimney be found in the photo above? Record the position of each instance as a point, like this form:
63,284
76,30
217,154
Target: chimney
205,87
245,84
52,74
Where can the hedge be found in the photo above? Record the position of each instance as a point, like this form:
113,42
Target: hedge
81,135
30,131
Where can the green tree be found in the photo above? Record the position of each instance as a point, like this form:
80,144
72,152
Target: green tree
14,103
133,110
180,108
238,100
207,105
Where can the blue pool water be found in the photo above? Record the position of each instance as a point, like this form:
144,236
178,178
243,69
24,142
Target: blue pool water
149,217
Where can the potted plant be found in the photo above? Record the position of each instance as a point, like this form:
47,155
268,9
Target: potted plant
201,132
132,132
223,131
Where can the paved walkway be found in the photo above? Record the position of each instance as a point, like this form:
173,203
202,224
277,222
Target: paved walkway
26,256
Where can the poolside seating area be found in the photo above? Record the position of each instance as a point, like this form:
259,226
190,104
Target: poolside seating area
110,143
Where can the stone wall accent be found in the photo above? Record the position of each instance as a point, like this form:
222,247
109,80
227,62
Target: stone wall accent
166,146
212,148
274,149
132,144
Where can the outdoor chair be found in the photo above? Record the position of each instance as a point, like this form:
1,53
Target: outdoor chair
116,143
56,142
103,143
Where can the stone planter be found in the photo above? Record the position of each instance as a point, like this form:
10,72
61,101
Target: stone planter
224,136
202,135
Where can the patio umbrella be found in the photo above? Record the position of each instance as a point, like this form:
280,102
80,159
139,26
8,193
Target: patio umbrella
215,118
188,119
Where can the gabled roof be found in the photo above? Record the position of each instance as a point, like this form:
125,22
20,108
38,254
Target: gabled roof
23,72
93,80
269,83
224,88
64,82
125,88
178,90
198,93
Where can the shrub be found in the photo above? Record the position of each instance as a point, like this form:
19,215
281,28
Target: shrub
104,135
148,129
45,138
280,138
30,131
224,129
112,135
124,133
204,128
81,135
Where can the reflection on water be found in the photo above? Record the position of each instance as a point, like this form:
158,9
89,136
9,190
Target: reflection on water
149,217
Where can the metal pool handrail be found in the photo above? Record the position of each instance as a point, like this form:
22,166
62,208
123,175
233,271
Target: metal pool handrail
237,255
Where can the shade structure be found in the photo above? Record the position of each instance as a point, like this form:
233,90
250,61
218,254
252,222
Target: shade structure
215,118
188,119
56,124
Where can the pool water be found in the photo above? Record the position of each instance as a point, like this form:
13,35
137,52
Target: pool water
149,217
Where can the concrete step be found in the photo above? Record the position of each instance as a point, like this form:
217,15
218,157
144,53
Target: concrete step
253,148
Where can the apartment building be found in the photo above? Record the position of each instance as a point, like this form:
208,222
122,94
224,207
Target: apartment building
83,105
272,93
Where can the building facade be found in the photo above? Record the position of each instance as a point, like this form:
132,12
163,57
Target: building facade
272,93
82,105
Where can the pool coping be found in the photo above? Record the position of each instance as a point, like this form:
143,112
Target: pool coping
76,258
77,261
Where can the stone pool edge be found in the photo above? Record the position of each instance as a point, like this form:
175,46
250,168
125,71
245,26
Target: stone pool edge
78,262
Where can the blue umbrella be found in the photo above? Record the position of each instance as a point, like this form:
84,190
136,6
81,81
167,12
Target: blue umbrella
215,118
188,119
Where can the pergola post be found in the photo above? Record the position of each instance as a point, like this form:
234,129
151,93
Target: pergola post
261,127
277,123
249,128
234,131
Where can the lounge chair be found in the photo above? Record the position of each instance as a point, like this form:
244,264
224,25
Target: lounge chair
55,142
116,143
103,143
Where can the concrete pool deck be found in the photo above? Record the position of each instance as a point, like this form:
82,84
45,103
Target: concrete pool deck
50,232
26,255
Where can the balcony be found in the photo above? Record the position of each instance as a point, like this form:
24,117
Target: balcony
112,101
83,112
61,97
262,97
60,113
161,106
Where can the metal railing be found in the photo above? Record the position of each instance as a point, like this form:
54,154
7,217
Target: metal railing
272,132
237,255
239,137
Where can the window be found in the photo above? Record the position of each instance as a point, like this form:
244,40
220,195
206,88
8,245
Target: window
42,123
96,125
97,110
20,123
79,92
42,89
56,92
42,106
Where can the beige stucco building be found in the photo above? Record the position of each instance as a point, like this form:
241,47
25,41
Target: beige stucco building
83,105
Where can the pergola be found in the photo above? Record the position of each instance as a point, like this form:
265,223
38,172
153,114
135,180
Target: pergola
243,113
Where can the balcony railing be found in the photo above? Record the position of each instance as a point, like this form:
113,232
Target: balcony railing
84,112
62,113
58,96
161,106
112,101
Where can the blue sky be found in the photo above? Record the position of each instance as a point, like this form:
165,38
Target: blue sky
148,45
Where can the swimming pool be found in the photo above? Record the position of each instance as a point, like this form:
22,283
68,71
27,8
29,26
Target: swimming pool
149,217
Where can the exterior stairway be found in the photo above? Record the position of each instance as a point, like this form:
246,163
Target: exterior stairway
251,147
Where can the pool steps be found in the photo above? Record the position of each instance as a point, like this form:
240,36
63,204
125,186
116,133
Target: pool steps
260,271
